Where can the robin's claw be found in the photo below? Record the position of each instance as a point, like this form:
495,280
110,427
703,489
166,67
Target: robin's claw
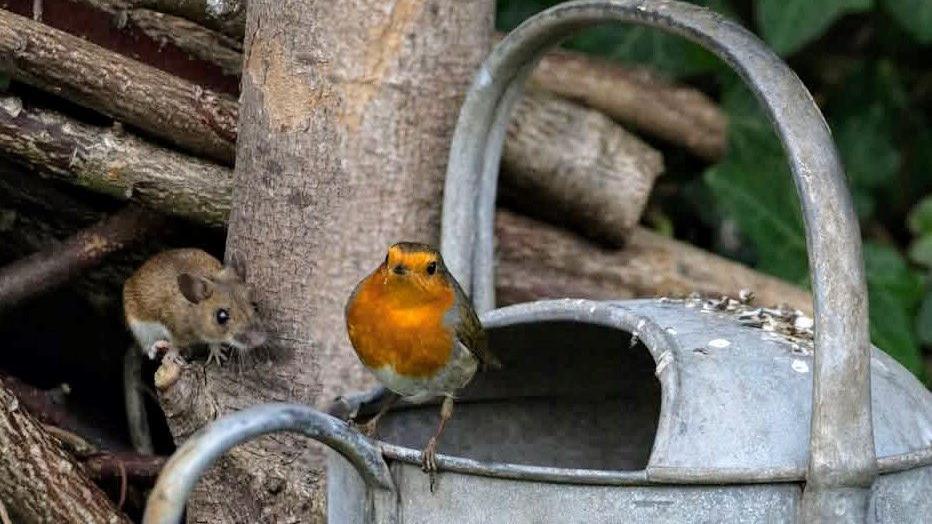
429,461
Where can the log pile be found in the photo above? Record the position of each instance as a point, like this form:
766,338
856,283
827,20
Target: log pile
144,115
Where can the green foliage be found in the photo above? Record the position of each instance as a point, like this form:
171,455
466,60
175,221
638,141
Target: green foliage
4,82
894,291
753,186
787,25
914,15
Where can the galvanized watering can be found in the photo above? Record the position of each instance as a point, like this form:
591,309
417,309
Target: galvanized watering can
639,410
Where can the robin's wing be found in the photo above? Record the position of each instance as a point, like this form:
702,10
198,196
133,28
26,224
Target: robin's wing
469,331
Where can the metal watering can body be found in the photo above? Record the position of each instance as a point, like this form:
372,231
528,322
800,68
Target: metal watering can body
643,410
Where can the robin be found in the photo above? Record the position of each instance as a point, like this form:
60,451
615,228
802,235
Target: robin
413,327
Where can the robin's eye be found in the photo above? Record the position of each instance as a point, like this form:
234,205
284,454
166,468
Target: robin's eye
431,268
223,316
398,270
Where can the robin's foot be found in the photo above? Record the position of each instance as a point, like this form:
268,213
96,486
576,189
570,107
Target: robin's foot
216,353
429,461
159,347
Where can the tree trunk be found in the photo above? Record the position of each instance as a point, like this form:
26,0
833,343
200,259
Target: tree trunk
348,109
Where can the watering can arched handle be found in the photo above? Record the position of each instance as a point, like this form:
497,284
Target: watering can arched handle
189,462
842,458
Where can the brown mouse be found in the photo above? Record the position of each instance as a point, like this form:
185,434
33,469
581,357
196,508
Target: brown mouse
185,297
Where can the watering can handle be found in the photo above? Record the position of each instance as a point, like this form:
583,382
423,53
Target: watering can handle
167,500
842,458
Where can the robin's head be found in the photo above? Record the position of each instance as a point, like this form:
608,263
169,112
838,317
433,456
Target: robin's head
415,271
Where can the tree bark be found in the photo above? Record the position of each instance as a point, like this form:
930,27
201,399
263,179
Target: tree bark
575,166
162,104
537,260
345,129
39,482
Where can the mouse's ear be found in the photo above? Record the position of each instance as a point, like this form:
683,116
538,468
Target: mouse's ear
195,288
238,264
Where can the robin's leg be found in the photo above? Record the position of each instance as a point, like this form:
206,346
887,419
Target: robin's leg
429,455
369,428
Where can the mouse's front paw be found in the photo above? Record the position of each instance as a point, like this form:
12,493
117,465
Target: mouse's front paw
159,347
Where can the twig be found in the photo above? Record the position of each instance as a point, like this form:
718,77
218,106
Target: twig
134,466
45,270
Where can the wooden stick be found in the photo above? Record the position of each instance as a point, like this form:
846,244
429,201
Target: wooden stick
537,260
111,161
39,481
137,467
45,270
226,16
195,119
204,44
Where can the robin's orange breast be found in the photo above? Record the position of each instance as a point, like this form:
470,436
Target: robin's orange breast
412,339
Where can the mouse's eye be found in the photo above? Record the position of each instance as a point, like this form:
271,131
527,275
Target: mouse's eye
223,316
398,270
431,268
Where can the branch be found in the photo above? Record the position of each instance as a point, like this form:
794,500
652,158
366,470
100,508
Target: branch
48,269
157,102
204,44
109,161
537,260
226,16
137,467
38,481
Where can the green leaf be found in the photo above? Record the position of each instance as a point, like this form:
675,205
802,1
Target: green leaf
920,217
920,251
924,320
872,160
894,293
4,82
914,15
754,188
787,25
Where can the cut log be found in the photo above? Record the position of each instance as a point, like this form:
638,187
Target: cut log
637,98
39,482
537,260
115,162
575,166
170,108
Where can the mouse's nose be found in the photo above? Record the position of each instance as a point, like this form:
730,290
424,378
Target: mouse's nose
252,337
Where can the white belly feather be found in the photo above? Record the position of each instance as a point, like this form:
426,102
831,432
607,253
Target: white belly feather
446,382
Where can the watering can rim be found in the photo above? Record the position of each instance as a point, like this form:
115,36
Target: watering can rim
842,462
